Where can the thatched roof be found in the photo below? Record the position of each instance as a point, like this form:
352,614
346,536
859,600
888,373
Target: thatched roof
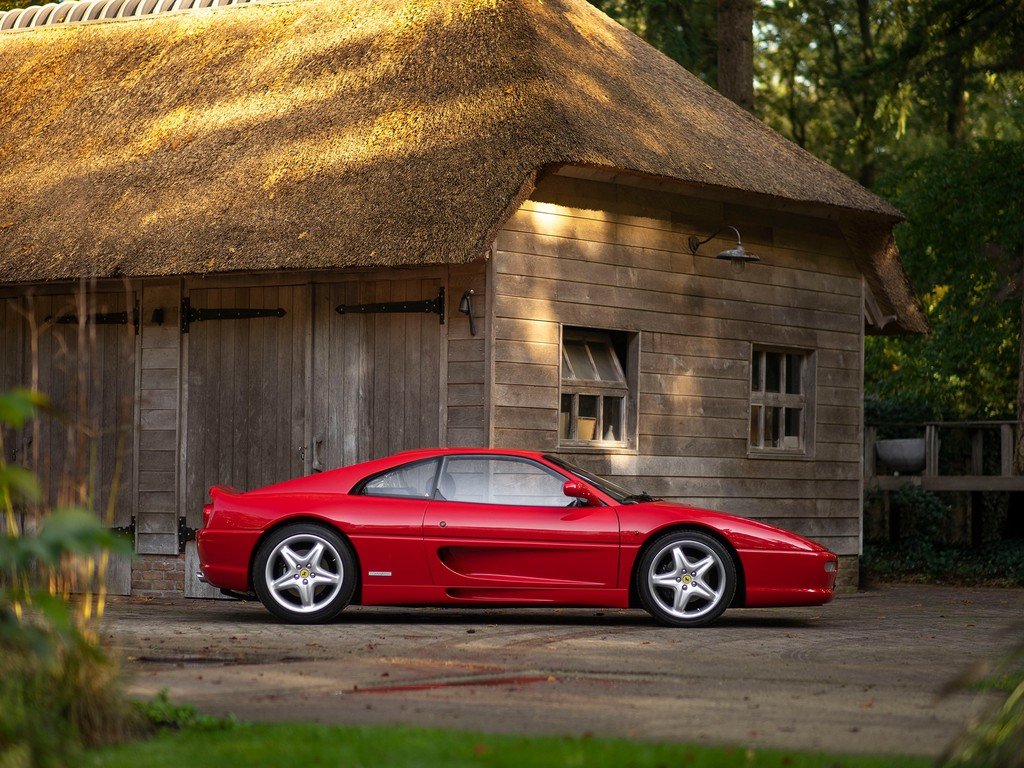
334,133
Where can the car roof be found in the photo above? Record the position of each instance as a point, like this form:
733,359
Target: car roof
427,452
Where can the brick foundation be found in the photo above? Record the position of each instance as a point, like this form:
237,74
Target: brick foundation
158,576
848,578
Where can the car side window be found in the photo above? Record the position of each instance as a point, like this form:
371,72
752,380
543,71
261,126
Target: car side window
415,480
500,480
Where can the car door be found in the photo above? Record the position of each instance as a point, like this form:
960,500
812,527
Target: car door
502,522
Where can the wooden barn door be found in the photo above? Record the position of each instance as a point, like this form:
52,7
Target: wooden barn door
88,373
12,359
377,376
246,399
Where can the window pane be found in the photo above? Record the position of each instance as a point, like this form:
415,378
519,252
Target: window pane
611,422
565,418
773,428
755,372
792,435
413,480
772,371
502,481
566,373
586,423
582,368
793,365
755,426
607,365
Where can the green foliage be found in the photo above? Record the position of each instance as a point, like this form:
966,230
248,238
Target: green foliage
962,246
996,739
922,514
921,556
903,408
870,86
58,691
998,564
681,29
161,712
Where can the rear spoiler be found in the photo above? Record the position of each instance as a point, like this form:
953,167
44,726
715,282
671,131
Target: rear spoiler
223,490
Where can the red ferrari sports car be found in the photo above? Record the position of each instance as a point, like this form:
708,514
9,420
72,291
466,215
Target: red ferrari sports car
490,527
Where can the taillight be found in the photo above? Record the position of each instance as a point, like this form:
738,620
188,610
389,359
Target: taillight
207,514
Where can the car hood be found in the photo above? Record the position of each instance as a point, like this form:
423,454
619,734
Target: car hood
742,532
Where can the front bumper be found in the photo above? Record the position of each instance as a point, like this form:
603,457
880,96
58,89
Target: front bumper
777,579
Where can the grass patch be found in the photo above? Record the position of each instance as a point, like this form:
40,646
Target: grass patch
319,746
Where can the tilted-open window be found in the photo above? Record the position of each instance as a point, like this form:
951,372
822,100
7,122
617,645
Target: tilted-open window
598,399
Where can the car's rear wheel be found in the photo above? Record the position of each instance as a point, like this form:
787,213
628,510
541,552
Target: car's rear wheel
686,579
304,573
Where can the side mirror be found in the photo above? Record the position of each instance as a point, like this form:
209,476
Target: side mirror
575,489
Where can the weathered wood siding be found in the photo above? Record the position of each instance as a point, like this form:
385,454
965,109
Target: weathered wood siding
159,384
246,406
598,255
377,377
466,415
83,449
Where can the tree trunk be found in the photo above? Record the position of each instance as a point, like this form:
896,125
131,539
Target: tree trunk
1018,448
956,97
736,51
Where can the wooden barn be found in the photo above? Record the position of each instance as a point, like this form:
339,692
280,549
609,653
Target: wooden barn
239,244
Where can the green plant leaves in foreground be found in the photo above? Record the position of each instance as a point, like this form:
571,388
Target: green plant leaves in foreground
64,531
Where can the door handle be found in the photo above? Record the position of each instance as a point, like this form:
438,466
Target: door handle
318,462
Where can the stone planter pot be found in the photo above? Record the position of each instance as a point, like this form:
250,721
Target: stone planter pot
907,455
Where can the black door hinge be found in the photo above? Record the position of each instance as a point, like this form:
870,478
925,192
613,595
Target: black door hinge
185,534
102,318
190,314
432,306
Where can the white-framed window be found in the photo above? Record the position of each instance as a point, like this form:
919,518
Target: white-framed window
598,388
781,401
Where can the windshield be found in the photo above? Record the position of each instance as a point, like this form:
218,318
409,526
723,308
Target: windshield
617,492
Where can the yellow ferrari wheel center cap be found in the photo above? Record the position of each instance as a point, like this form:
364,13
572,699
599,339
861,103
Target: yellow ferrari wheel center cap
687,579
304,573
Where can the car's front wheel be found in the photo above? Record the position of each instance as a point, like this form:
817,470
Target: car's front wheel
686,579
304,573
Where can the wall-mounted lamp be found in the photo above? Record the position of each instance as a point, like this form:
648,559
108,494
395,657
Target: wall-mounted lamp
729,254
466,308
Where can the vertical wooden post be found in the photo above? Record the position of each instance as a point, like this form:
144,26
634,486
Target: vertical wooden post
1006,449
931,450
870,469
977,449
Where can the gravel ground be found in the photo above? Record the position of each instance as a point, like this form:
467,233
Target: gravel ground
859,675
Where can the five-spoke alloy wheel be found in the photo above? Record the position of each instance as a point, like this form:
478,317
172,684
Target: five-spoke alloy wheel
686,579
304,573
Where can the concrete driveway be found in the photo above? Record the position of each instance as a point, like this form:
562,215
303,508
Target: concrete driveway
858,675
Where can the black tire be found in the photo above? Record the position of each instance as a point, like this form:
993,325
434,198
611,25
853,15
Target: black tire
704,576
285,575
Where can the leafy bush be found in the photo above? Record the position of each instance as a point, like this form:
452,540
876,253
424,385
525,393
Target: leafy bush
921,516
996,739
919,552
163,713
995,564
58,691
899,416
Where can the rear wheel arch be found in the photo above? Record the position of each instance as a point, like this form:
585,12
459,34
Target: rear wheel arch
357,596
740,596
